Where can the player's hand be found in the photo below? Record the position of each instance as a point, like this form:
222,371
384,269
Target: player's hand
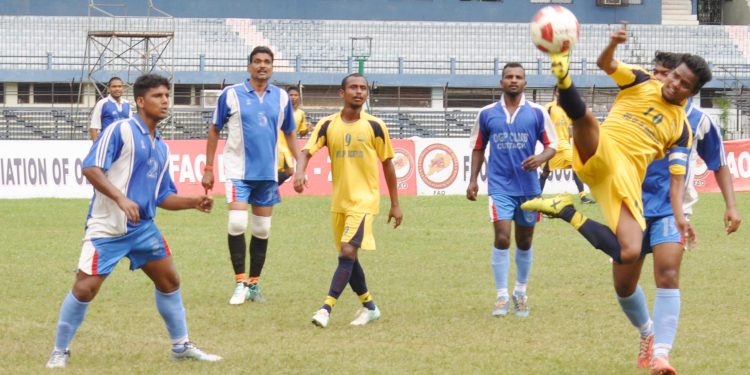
620,36
300,182
130,209
732,220
395,214
472,190
688,232
532,163
204,203
208,181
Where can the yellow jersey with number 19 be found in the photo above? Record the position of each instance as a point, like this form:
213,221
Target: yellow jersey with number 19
641,123
356,150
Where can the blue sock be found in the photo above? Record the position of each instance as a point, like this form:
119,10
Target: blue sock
524,259
72,312
635,307
173,312
500,265
666,317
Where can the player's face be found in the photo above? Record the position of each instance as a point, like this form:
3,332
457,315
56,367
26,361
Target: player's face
261,67
679,85
354,92
154,104
514,81
115,89
294,97
660,72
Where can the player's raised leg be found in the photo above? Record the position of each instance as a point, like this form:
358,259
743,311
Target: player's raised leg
169,303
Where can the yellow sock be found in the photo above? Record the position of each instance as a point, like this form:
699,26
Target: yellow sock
364,298
578,220
330,301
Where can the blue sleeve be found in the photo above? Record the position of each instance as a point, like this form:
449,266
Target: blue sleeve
166,184
222,111
711,148
106,149
288,126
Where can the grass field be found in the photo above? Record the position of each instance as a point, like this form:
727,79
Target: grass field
431,279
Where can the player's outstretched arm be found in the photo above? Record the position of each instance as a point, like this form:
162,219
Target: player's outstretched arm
676,196
606,60
732,218
174,202
208,173
300,178
390,179
96,177
477,159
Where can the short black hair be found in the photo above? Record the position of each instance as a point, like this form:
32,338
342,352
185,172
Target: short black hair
343,81
514,65
115,78
699,67
669,60
260,49
147,82
292,88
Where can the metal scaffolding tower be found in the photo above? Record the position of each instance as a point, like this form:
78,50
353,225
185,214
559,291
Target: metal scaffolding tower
128,47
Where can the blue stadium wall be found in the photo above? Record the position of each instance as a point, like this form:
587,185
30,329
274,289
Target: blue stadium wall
649,12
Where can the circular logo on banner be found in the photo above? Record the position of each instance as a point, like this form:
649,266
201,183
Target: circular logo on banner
438,166
701,170
403,163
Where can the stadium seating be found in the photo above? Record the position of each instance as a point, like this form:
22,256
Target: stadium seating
325,46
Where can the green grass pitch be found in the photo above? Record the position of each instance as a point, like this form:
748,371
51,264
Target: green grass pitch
431,279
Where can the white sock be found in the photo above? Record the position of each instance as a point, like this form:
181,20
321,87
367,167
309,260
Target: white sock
519,290
661,350
179,343
647,329
503,292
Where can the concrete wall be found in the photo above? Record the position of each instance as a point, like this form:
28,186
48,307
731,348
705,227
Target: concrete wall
649,12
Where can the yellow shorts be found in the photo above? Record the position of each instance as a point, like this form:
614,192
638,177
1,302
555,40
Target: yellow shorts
561,160
354,229
613,180
285,159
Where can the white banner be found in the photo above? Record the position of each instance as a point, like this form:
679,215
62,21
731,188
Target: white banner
34,169
444,168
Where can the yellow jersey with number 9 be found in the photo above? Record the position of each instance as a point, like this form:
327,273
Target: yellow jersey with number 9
356,150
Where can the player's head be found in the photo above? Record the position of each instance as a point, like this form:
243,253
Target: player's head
665,62
293,95
686,79
115,87
260,64
354,90
151,92
513,81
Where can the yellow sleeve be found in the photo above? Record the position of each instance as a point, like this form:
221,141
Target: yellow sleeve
680,149
302,126
383,145
627,75
318,138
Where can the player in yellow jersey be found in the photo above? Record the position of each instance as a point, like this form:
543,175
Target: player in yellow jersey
357,142
286,159
563,158
646,122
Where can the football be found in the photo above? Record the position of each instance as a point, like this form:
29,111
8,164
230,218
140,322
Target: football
554,29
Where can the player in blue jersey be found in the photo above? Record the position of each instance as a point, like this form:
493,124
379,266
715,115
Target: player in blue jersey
254,113
110,109
129,169
511,128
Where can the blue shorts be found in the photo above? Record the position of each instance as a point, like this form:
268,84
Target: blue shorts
508,207
660,230
258,193
145,244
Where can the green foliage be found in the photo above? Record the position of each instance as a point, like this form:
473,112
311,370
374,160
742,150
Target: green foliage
431,279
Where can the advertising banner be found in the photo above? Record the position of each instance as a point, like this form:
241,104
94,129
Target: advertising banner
738,162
